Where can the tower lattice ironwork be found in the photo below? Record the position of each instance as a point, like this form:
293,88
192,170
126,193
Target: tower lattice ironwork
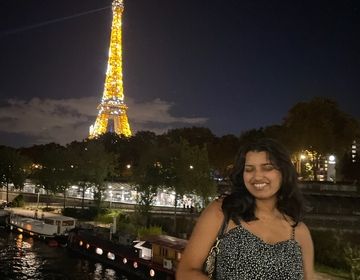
112,109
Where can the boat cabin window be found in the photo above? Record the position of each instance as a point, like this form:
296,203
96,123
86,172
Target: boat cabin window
68,223
49,221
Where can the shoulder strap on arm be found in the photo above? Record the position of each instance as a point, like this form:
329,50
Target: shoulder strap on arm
223,226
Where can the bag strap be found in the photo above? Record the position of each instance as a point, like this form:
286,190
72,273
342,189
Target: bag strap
223,226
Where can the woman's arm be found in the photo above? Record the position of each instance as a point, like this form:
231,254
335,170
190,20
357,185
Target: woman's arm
201,240
304,238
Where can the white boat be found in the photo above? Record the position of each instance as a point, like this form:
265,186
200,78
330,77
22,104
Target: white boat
49,226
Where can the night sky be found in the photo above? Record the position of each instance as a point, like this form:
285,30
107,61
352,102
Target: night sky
229,65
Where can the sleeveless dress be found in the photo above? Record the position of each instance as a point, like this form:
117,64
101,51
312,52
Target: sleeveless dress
244,256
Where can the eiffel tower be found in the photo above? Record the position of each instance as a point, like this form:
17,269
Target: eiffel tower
112,115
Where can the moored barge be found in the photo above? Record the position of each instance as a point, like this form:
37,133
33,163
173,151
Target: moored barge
51,228
155,257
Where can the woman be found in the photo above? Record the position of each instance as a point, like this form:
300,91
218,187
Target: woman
264,237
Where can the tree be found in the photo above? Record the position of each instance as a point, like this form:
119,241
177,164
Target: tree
195,136
198,176
124,151
321,128
186,170
251,135
221,154
50,170
91,166
350,168
148,177
13,169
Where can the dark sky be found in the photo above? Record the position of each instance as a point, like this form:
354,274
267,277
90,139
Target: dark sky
229,65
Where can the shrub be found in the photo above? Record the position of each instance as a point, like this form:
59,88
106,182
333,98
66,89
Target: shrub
152,230
86,214
329,248
352,256
18,201
106,216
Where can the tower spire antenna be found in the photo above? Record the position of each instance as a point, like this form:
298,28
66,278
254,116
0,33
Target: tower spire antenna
112,115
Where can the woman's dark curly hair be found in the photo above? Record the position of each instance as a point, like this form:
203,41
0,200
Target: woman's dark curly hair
240,204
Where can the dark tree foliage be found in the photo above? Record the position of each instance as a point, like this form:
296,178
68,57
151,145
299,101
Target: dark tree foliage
350,168
13,169
195,136
321,126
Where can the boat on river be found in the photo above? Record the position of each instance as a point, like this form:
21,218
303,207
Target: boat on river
155,257
55,227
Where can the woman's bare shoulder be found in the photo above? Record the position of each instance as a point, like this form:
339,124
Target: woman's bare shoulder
215,205
213,210
302,234
302,228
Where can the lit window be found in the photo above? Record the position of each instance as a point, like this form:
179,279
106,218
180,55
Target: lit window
111,256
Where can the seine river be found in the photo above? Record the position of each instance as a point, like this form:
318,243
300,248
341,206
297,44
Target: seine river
23,257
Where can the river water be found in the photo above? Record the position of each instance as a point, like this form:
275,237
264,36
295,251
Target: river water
27,258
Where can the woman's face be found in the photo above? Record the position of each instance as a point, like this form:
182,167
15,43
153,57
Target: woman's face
261,178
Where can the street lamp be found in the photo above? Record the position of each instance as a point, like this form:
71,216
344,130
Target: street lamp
110,194
331,172
38,199
298,164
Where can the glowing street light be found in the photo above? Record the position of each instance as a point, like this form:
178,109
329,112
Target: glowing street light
331,172
298,164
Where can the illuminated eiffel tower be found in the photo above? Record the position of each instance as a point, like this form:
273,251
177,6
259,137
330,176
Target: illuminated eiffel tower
112,115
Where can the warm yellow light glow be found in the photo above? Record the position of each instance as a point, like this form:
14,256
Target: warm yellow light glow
112,106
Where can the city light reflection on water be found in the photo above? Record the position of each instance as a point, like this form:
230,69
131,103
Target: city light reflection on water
27,258
25,262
